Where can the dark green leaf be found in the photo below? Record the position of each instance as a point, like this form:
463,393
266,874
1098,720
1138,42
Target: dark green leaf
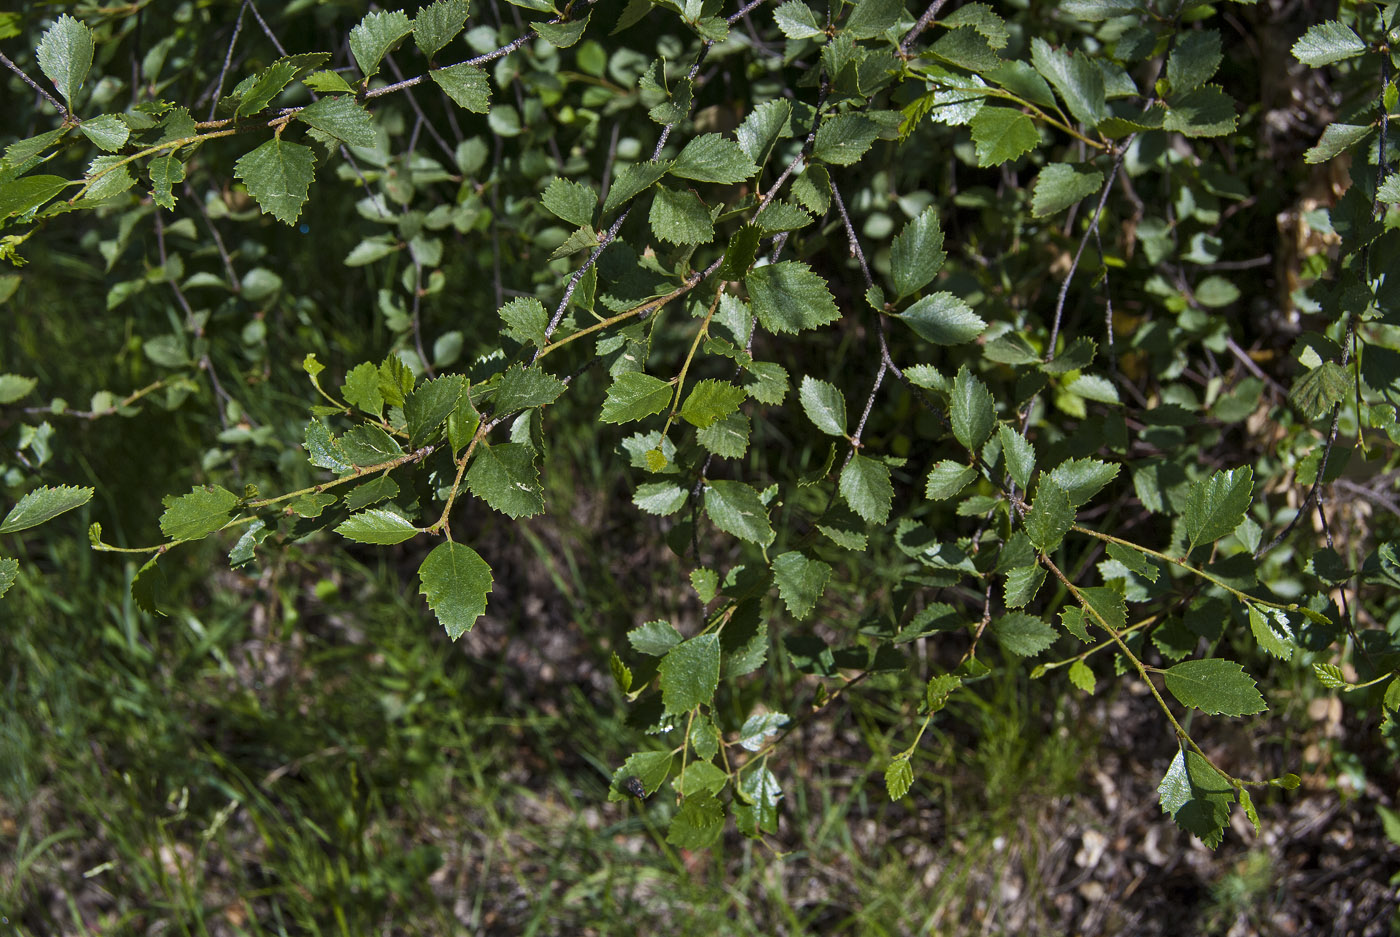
108,132
455,580
650,768
505,476
466,85
65,55
1019,455
844,138
437,24
870,18
762,127
562,35
1197,796
659,497
1193,60
1205,112
760,727
632,181
1271,630
736,508
1023,635
698,824
342,118
689,673
712,158
1215,686
654,638
1337,139
166,172
711,401
973,413
1001,134
9,572
865,484
943,318
428,405
789,297
361,389
377,35
1327,43
680,217
916,256
197,514
368,445
947,479
796,20
1083,478
1022,584
43,504
21,195
525,319
824,405
371,492
278,175
1051,515
1216,505
634,396
1076,78
800,582
1060,185
965,48
377,525
572,201
522,388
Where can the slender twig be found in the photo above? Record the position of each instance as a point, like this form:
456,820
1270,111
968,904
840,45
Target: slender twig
929,16
62,111
228,59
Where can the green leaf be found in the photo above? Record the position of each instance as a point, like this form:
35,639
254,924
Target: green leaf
1050,517
944,319
796,20
701,776
1022,584
680,217
466,85
659,497
368,445
711,401
1197,797
42,505
865,484
769,384
327,82
108,132
654,637
844,138
812,189
371,492
779,215
427,407
634,396
15,386
65,55
947,479
197,514
736,508
342,118
562,35
870,18
941,687
267,84
1060,185
1019,455
322,450
713,158
437,24
1205,112
965,48
107,177
505,476
705,582
22,195
1001,134
376,36
1317,391
689,673
762,792
739,254
698,824
1215,686
981,18
801,582
1216,505
899,776
572,201
727,438
1023,635
1081,676
522,388
361,389
278,175
789,297
166,172
762,127
9,572
525,319
1271,630
1076,78
1193,60
760,727
1337,139
917,255
631,182
824,405
973,414
1134,561
1327,43
1330,676
650,768
377,525
455,580
1083,478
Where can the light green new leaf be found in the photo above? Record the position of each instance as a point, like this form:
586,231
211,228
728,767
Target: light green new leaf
789,297
736,508
437,24
680,217
634,396
1197,797
1215,506
944,319
844,138
1023,635
65,55
973,413
42,505
1076,78
428,405
377,525
1019,454
1001,134
713,158
108,132
377,35
466,85
689,673
917,255
361,389
796,20
9,572
327,82
1050,517
522,388
1060,185
1215,686
659,497
800,582
711,401
1327,43
1081,676
1193,60
197,514
947,479
572,201
899,776
278,176
455,580
506,477
865,484
342,118
824,405
15,386
562,35
631,182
